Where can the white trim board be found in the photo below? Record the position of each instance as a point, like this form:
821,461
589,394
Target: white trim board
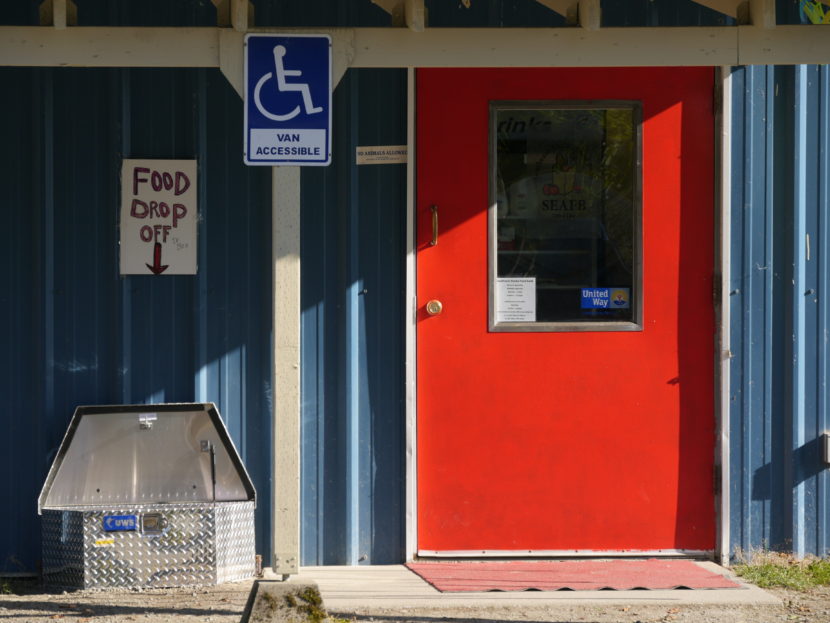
411,323
41,46
723,262
564,553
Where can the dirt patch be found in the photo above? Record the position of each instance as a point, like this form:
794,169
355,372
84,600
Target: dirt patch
215,604
811,605
225,604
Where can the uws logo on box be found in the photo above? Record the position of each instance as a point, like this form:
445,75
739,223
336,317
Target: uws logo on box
120,523
158,217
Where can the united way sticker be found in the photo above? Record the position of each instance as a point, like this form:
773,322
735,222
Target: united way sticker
606,298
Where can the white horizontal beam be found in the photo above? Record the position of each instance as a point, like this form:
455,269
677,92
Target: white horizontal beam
435,47
92,46
807,44
544,47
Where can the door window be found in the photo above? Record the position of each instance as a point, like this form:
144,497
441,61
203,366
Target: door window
565,252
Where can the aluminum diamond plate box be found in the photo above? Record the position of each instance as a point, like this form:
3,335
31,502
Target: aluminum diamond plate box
147,495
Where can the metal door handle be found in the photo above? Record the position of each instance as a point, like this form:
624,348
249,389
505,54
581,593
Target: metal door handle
434,240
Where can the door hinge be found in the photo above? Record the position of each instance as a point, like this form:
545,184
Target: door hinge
716,480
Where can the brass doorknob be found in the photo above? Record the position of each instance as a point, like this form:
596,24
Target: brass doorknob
434,307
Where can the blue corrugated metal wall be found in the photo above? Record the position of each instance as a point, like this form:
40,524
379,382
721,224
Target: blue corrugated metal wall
353,232
78,333
778,303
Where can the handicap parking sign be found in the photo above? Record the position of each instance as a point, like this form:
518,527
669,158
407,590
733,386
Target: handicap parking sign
287,100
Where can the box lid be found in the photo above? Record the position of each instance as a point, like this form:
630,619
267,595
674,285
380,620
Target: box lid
146,454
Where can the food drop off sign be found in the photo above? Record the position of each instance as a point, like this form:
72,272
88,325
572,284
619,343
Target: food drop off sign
158,217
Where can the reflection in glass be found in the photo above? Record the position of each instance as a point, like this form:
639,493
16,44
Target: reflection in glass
565,197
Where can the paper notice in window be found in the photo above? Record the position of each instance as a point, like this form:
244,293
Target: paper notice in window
516,299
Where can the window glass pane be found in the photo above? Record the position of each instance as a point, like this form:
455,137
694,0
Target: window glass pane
564,208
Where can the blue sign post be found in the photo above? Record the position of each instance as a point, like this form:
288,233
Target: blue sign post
287,100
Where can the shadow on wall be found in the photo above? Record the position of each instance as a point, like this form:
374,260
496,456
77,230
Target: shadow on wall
804,463
795,468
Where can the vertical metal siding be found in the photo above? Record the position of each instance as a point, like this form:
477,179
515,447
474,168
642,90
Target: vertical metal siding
146,13
20,14
353,232
18,322
496,13
779,308
79,333
661,13
319,14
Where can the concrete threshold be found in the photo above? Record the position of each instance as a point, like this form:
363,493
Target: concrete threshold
364,589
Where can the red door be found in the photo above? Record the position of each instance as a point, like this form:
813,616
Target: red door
596,433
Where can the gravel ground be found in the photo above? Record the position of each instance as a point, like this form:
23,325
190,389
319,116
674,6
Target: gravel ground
215,604
225,603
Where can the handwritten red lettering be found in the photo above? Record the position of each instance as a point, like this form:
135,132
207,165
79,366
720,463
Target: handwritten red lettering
137,179
182,183
179,212
139,209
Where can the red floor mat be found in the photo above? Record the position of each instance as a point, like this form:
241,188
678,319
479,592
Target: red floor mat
577,575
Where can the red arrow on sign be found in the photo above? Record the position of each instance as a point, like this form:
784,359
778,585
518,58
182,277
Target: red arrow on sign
157,268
